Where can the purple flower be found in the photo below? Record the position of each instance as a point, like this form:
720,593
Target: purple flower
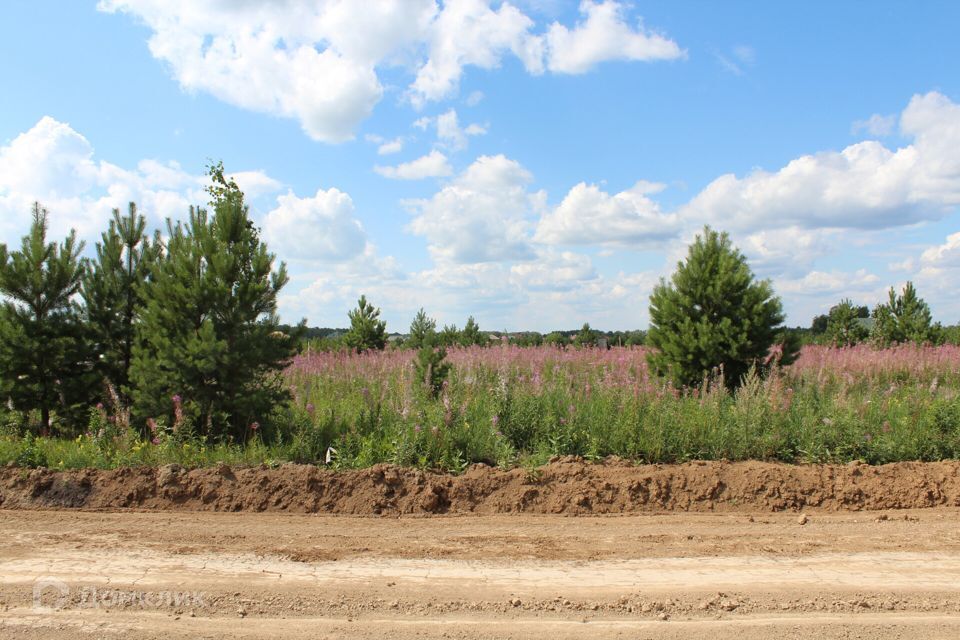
310,408
177,399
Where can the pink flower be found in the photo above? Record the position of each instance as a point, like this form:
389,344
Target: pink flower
254,426
155,441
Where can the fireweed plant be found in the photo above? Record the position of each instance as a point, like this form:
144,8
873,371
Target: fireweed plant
509,405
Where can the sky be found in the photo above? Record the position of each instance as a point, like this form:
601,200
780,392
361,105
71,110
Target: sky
536,164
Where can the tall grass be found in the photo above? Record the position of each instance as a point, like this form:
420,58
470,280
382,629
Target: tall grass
508,405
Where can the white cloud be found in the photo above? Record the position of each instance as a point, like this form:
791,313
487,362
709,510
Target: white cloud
481,216
553,271
474,98
432,165
588,215
318,62
451,135
604,35
55,165
834,283
865,186
876,125
786,252
390,146
318,228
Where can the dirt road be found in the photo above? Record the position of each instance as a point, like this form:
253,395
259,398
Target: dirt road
892,574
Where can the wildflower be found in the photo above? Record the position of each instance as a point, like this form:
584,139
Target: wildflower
417,429
177,399
310,408
99,406
155,441
254,426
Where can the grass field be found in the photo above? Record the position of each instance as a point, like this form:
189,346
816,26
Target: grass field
509,405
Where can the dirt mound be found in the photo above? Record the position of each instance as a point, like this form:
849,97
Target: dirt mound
566,486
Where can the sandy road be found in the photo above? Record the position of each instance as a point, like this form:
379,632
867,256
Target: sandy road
254,575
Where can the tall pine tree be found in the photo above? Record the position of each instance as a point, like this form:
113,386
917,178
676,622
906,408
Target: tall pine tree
43,360
113,292
367,330
209,331
713,314
904,318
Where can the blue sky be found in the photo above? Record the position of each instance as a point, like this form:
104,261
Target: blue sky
538,164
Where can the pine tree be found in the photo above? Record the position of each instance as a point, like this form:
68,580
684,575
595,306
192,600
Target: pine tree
471,334
367,331
844,328
112,292
904,318
44,365
448,336
431,367
209,331
712,315
422,329
586,337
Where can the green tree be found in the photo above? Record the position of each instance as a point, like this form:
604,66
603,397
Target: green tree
471,334
556,339
904,318
586,337
448,336
844,327
713,315
422,329
367,331
431,366
112,293
44,365
209,331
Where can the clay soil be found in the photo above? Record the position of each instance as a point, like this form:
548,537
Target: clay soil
700,550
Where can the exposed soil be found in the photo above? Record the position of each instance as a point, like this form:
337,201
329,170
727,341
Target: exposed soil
72,575
567,486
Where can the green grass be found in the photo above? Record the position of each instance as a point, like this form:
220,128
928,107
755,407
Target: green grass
521,408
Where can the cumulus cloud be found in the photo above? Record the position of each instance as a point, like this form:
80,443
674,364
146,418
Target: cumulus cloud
432,165
553,271
876,125
319,62
603,35
786,252
451,135
55,165
318,228
588,215
864,186
481,216
835,283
